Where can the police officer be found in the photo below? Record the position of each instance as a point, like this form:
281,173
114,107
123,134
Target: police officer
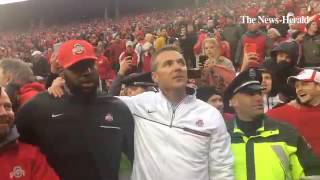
263,148
133,84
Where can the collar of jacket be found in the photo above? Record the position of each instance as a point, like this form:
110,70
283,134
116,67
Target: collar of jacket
264,130
191,95
12,136
253,33
308,36
70,95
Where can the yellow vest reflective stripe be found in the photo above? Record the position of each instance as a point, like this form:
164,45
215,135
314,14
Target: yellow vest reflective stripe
284,160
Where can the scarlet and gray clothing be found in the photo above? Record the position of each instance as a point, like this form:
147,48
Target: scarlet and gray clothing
82,140
185,141
23,161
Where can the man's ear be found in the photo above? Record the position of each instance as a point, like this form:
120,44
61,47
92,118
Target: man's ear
233,102
155,77
8,78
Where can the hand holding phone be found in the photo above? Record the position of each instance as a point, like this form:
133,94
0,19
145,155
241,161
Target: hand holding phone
129,57
250,48
250,60
202,60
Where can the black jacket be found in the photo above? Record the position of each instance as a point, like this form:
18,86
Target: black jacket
187,49
311,50
232,34
82,141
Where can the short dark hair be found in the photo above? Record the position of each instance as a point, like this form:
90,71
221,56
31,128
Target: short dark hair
156,54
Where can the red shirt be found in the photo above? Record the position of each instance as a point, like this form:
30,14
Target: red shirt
24,162
198,46
253,11
225,49
104,67
259,43
146,63
305,119
115,50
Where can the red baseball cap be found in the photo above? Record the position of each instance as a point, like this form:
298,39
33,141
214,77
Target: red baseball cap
74,51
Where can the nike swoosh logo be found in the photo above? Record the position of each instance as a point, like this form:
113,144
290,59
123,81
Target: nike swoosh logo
56,115
149,111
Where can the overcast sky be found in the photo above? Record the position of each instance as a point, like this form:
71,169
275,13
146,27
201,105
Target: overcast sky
10,1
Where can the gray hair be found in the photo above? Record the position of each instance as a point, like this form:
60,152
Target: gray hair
19,71
167,48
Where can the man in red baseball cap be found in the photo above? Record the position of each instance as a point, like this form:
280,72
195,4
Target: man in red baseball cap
77,58
82,133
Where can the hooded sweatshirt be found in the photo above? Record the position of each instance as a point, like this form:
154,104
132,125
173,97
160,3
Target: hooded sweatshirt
29,90
283,70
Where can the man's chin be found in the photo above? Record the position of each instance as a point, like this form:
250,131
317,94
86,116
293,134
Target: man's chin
84,92
3,136
258,116
179,85
88,91
301,102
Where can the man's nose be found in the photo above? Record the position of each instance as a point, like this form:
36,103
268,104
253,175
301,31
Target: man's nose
258,97
88,71
178,66
298,86
2,110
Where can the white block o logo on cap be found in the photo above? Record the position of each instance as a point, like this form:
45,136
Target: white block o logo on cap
17,172
77,49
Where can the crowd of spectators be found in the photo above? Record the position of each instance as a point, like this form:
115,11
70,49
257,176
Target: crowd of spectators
215,43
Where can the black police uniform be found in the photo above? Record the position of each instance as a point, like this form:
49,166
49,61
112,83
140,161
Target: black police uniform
82,140
135,79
